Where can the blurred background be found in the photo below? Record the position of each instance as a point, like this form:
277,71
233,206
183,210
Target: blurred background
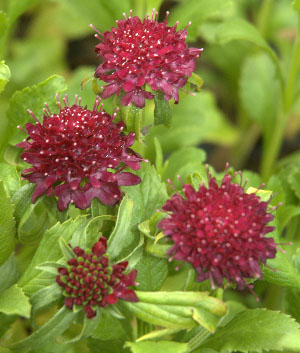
239,101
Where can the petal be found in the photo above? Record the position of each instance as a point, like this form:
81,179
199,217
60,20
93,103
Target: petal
109,90
127,179
128,295
99,248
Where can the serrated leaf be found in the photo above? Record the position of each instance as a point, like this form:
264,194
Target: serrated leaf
162,110
4,69
14,302
161,346
119,240
59,323
152,271
32,98
256,330
48,250
7,226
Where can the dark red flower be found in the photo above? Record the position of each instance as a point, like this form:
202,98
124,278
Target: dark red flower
89,281
220,230
139,53
79,154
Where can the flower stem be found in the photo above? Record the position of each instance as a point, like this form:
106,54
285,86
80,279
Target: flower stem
273,145
263,16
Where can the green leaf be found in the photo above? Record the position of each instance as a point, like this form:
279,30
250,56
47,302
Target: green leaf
152,271
196,120
10,178
113,346
7,226
59,323
67,251
161,346
14,302
16,8
284,214
292,298
9,273
259,90
45,296
22,200
50,267
286,274
33,279
196,80
294,181
119,240
158,334
4,69
256,330
178,309
109,328
32,98
181,157
240,29
296,5
162,110
198,11
3,27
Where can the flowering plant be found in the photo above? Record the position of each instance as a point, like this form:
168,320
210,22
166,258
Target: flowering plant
123,226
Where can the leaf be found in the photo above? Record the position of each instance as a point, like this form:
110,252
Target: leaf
7,226
158,334
198,11
51,267
109,328
113,346
9,273
152,271
14,302
16,8
259,90
196,80
161,346
286,274
48,250
294,181
3,26
292,298
59,323
240,29
66,250
10,178
4,69
178,309
119,239
296,5
162,110
284,214
45,296
181,157
256,330
195,120
32,98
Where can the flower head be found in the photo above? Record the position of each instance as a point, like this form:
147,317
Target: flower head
139,53
220,230
89,281
79,154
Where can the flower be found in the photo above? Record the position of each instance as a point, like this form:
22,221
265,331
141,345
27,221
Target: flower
79,154
139,53
220,230
89,281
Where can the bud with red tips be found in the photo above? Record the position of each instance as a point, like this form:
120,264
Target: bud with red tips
100,286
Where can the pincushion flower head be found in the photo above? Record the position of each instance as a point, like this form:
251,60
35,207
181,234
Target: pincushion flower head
138,53
220,230
89,281
79,154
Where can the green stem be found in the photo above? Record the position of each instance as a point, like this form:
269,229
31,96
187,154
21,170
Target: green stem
273,145
263,16
198,339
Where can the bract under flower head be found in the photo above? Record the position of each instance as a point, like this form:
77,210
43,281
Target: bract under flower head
89,281
220,230
79,154
139,53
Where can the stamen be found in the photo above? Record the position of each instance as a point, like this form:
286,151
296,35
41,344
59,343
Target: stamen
96,30
34,117
58,102
20,128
